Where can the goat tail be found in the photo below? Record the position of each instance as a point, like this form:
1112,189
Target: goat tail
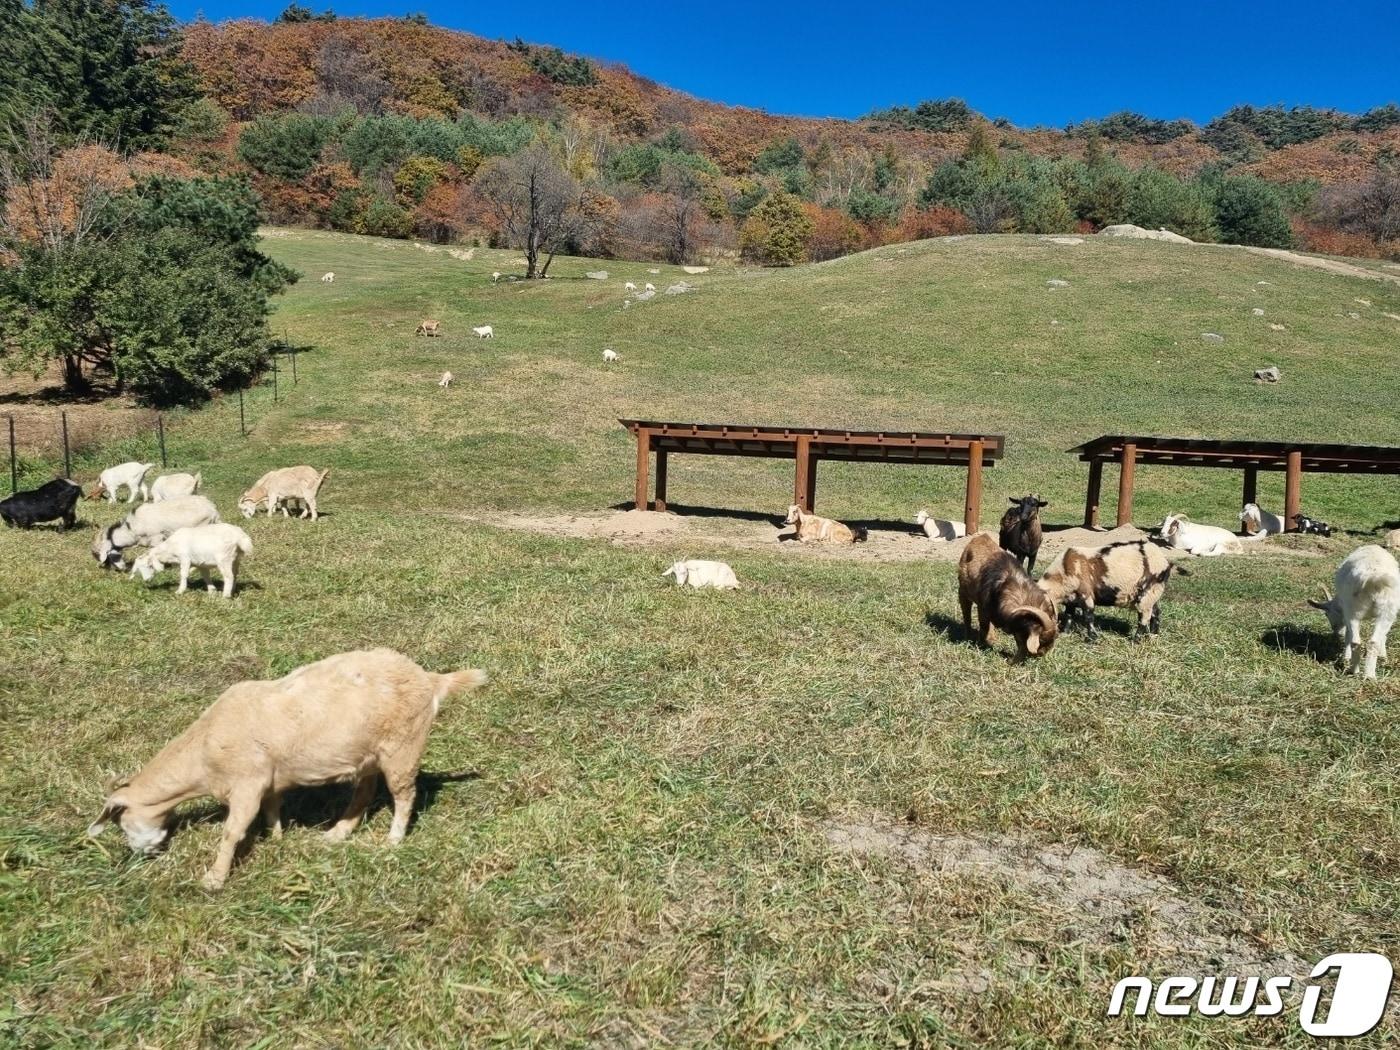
860,534
459,681
322,479
245,544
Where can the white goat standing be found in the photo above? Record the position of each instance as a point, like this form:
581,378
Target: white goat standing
1368,587
609,356
219,546
328,278
701,574
649,287
485,332
132,475
169,486
629,287
446,380
150,523
495,276
940,528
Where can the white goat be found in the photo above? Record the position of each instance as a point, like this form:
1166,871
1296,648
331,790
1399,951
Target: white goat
446,380
629,287
649,287
609,356
1206,541
168,486
701,574
495,276
1256,520
283,486
1368,588
150,523
940,528
347,717
328,278
204,547
132,475
485,332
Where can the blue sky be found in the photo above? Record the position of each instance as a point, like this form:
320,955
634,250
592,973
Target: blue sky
1033,61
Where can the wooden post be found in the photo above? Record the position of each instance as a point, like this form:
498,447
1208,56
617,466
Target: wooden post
1251,486
812,483
160,434
660,480
972,507
67,457
643,467
1091,496
1126,472
294,368
1293,491
14,465
803,483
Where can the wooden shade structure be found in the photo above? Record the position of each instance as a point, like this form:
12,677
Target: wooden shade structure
808,447
1293,458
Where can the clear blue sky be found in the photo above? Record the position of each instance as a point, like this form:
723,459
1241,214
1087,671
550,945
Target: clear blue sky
1034,61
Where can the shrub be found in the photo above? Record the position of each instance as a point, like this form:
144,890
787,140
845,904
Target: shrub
286,146
917,224
384,218
1250,211
376,144
1157,200
416,177
833,233
776,231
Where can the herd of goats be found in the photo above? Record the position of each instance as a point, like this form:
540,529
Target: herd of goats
358,715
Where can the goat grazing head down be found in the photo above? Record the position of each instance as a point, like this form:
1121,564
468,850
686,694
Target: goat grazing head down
1332,609
146,827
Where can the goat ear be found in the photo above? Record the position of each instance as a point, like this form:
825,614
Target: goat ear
1042,503
1012,500
111,812
1317,604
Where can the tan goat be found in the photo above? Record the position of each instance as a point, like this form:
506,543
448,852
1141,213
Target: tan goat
428,328
1005,596
809,528
283,486
347,717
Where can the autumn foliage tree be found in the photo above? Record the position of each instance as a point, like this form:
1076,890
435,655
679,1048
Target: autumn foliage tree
776,231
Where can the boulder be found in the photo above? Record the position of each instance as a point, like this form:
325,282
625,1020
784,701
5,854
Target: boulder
1127,229
1268,375
597,275
1214,338
1055,282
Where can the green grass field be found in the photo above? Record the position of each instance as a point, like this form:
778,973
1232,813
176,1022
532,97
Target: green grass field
627,839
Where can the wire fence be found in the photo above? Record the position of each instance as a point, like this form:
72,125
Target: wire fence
43,444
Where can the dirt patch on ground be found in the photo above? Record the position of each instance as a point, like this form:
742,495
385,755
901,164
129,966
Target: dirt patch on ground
1330,265
1101,900
38,404
888,541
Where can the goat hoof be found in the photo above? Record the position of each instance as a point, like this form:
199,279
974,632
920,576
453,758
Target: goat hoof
338,834
212,881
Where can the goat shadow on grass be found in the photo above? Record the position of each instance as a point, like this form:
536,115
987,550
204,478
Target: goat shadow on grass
1302,641
683,510
196,584
949,626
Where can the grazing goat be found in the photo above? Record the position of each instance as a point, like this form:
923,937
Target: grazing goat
813,529
1205,541
650,287
446,380
204,547
1255,520
428,328
939,528
495,276
485,332
1368,587
282,486
328,278
1020,529
701,574
132,475
168,486
1130,574
348,717
1005,596
609,356
629,287
1306,524
150,523
54,500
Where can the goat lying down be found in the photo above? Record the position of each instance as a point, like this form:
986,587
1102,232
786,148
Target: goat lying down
218,546
348,717
1130,574
940,528
700,574
1255,519
56,500
1005,596
810,528
1205,541
1368,588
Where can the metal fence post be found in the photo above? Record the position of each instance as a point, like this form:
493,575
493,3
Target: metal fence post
242,425
14,465
160,432
67,457
294,368
274,378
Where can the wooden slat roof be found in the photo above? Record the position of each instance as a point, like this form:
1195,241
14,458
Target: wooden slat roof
1233,454
893,446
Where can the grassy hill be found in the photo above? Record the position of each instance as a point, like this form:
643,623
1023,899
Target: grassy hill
733,819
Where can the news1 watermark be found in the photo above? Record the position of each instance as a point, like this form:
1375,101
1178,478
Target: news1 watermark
1357,1002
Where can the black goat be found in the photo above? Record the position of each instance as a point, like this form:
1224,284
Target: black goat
1020,529
55,500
